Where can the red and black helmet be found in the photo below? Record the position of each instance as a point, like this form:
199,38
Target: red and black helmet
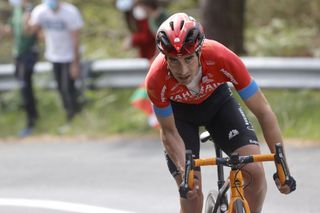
179,35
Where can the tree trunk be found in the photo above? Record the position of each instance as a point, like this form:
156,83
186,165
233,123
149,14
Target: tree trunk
223,21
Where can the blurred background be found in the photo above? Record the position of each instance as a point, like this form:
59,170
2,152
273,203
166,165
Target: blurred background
287,28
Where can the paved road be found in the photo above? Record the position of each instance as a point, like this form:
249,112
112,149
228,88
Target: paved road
121,175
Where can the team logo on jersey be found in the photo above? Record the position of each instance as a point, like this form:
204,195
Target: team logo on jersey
245,119
187,96
183,96
163,92
233,133
253,142
228,75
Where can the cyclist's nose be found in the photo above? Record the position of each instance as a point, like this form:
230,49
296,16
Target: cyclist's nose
184,69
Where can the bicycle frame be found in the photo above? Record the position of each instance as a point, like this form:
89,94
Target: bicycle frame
235,177
237,192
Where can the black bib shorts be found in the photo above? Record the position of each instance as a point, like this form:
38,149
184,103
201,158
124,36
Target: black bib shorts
221,115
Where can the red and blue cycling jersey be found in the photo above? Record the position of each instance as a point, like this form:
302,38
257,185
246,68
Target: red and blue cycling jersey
218,65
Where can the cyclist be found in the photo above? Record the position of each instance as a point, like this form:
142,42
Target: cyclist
187,84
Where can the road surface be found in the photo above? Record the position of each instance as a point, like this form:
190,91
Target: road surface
123,175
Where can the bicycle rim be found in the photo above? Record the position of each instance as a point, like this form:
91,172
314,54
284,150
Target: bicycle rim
211,202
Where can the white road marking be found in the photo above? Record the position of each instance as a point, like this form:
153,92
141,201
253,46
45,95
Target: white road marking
57,205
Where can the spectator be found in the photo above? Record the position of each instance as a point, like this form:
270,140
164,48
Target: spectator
156,15
155,12
137,21
25,53
61,23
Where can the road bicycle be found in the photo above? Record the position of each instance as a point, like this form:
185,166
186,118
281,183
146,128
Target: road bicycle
217,200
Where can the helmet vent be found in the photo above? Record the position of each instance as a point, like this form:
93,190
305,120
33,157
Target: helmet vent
192,35
171,25
181,24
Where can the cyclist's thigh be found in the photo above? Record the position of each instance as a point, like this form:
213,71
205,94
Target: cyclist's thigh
231,129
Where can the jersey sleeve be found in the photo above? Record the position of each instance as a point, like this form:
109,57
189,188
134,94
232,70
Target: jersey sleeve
75,20
157,91
234,69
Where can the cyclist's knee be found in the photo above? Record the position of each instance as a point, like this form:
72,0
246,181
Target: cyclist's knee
254,175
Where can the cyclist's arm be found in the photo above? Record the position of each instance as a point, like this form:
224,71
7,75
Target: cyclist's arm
260,107
172,141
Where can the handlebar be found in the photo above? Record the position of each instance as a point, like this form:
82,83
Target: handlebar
234,161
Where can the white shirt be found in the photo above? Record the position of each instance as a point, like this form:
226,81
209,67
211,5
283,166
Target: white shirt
57,27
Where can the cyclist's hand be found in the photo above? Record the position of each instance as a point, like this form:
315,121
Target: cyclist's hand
192,194
288,187
189,194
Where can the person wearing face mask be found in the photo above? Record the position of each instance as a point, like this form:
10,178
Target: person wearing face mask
25,53
141,37
61,23
155,15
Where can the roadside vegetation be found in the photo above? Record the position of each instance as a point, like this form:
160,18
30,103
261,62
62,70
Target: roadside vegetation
108,112
286,28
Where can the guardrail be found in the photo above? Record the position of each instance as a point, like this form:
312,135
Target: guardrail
121,73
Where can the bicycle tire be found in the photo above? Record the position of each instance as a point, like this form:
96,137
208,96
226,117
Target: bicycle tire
211,201
239,208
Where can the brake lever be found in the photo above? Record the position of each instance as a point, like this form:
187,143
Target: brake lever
188,178
281,164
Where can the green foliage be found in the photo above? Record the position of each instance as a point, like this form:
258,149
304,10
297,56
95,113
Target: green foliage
106,111
279,39
293,12
109,111
297,112
283,28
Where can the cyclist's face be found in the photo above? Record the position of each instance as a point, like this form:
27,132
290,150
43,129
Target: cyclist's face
183,68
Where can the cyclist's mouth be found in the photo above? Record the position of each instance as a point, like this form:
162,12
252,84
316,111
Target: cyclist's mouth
184,79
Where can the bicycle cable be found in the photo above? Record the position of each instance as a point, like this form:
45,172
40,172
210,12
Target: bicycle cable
245,186
251,178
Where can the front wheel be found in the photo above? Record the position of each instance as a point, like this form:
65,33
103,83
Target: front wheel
211,202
